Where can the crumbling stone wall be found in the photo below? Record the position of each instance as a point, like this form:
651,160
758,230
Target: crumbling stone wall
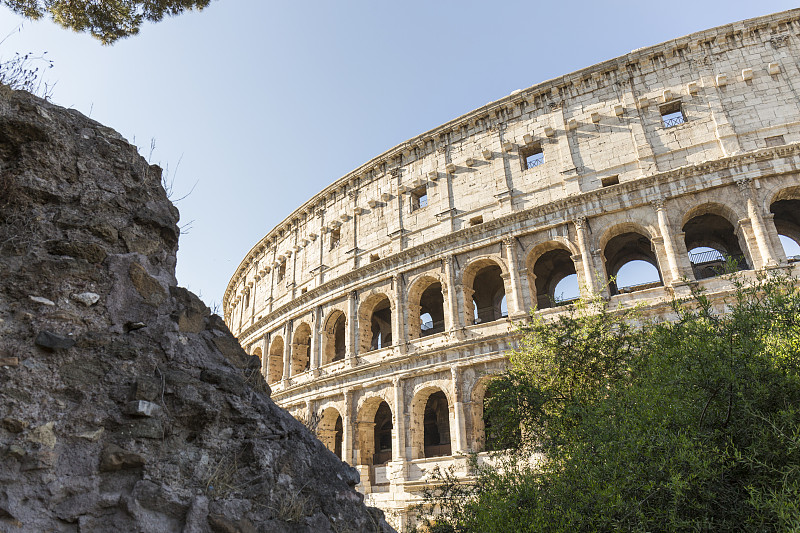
124,404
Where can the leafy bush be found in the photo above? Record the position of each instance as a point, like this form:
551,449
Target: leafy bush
689,424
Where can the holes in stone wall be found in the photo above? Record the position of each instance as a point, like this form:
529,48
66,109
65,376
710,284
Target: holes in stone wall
636,251
775,140
488,293
532,156
672,114
608,181
382,435
419,198
300,349
275,364
787,222
335,237
551,269
713,246
431,313
436,426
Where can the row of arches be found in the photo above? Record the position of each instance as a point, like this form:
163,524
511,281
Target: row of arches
430,430
375,423
711,234
375,320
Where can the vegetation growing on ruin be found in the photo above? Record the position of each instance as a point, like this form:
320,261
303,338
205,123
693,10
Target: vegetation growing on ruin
691,424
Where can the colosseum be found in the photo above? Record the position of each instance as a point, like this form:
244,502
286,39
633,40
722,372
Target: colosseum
381,306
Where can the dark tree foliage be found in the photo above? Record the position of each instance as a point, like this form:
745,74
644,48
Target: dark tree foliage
107,20
691,424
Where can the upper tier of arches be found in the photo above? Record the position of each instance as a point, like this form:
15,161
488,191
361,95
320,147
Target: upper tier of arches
675,242
593,135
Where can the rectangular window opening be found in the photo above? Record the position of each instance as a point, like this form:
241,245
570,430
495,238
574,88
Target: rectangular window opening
474,221
336,237
609,181
532,156
419,198
281,271
373,258
777,140
672,114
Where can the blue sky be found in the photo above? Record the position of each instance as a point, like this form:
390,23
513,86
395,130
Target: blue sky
265,103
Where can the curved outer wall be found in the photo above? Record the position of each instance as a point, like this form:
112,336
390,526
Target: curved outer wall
455,216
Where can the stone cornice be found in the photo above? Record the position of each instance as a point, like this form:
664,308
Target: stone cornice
491,232
570,84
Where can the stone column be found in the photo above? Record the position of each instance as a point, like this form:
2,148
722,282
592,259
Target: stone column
272,278
469,305
775,239
351,339
316,342
399,337
348,427
452,322
586,258
399,444
459,433
766,255
264,355
514,300
253,297
674,271
287,353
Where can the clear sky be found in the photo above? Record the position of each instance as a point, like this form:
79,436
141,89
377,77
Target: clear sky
266,103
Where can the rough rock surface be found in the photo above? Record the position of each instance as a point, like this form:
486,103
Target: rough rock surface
124,404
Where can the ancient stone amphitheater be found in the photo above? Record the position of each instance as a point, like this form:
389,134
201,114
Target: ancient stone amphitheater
383,304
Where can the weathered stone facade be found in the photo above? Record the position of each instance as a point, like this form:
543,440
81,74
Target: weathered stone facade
385,302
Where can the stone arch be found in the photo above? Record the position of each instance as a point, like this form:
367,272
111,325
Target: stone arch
432,423
257,352
486,282
375,322
713,228
547,265
622,244
374,428
333,337
301,346
425,298
331,430
478,433
785,210
275,364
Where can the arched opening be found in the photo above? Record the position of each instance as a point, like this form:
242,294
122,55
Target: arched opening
331,430
334,337
436,426
275,366
488,290
713,246
428,317
493,438
375,323
257,352
631,264
383,435
787,222
556,279
300,349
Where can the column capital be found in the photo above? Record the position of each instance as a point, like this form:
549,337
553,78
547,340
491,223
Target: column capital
580,222
744,184
658,203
